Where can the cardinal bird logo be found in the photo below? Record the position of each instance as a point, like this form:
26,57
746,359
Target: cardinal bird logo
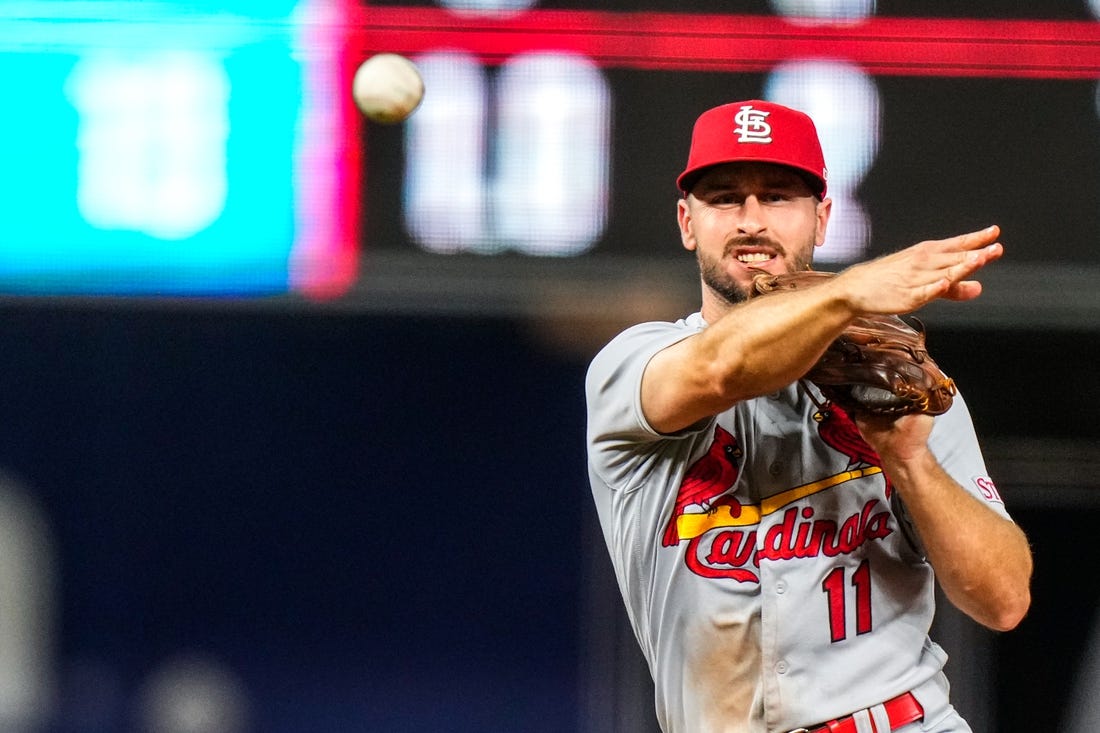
840,432
708,478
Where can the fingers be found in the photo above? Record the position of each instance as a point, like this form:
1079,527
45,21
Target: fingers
956,258
966,250
972,261
964,290
963,244
911,278
976,240
978,250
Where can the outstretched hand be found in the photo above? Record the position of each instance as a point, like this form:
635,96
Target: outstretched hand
906,280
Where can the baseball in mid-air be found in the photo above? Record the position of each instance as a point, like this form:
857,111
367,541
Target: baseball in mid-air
387,88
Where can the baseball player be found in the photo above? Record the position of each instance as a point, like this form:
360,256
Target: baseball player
776,554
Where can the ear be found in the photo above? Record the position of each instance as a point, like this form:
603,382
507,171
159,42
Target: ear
824,210
684,218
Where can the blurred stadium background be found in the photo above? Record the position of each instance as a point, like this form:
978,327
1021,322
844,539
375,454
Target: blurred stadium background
293,404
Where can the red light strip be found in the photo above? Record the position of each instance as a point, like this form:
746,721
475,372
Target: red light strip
324,261
698,42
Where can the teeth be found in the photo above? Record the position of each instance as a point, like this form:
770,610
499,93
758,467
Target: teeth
754,257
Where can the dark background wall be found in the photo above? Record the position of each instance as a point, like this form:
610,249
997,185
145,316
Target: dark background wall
382,523
374,521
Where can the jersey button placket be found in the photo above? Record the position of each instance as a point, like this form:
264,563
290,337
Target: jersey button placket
771,621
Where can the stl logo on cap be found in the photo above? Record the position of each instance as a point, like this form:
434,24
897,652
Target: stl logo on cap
752,125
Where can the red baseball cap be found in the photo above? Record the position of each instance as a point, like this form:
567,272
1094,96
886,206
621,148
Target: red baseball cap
755,130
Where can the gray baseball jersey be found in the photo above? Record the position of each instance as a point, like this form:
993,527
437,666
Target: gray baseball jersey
769,570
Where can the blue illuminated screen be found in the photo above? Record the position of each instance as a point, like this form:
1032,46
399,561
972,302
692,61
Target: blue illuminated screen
163,148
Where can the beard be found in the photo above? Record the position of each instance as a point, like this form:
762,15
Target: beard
722,284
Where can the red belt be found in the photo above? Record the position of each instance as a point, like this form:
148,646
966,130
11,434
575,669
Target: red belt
901,710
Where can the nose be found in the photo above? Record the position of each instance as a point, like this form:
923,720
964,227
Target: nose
752,220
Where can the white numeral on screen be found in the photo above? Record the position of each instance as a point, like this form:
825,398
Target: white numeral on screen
512,161
152,138
844,103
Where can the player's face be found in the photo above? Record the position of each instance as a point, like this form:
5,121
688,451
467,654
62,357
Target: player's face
743,216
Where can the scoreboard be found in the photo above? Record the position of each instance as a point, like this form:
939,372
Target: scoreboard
211,147
552,132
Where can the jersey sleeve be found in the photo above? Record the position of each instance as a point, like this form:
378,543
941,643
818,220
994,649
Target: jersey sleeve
955,444
616,422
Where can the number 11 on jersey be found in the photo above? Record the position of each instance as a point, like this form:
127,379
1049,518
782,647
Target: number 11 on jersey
836,592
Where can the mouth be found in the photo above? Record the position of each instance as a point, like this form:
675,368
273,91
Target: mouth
754,258
755,254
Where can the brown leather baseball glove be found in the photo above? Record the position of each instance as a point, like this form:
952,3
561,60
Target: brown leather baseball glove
878,366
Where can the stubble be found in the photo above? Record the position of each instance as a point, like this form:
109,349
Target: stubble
722,284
